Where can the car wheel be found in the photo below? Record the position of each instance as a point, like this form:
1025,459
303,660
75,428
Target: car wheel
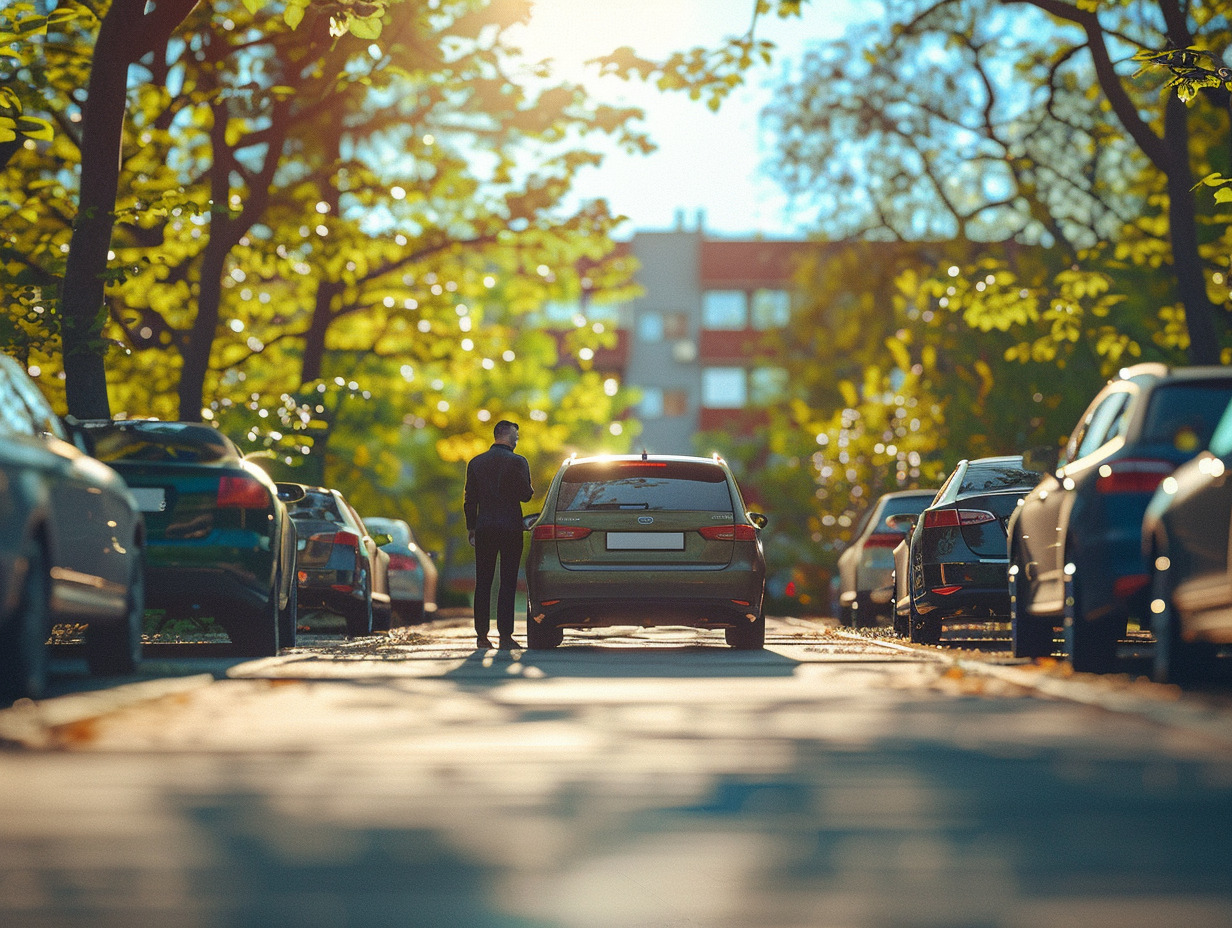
114,648
382,617
288,618
1175,659
411,613
540,637
747,636
258,637
1030,636
1090,644
922,629
23,640
359,615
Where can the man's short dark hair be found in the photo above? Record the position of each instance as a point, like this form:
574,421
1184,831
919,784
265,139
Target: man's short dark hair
504,429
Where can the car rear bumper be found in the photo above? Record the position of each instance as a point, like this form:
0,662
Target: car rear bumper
206,589
332,590
645,612
991,603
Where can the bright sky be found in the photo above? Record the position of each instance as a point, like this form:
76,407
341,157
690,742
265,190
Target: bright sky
706,161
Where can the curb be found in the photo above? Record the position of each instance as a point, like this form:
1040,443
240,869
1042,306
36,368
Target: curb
43,724
1165,705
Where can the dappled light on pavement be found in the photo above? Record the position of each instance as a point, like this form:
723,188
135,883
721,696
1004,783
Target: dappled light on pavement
629,780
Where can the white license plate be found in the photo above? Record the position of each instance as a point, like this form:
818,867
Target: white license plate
645,541
150,499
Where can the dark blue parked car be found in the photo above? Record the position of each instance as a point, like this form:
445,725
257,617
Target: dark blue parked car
1076,542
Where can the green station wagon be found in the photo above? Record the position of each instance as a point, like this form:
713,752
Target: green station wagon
649,540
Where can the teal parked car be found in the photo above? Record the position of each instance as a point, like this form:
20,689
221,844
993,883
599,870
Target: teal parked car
219,540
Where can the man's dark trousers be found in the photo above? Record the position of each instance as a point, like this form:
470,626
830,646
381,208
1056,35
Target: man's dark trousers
491,544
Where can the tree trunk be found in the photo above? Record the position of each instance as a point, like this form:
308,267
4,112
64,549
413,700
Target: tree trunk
125,34
1183,229
314,339
82,313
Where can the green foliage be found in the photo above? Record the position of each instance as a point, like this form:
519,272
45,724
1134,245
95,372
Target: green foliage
383,205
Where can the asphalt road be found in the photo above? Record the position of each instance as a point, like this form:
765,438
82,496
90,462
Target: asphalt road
631,779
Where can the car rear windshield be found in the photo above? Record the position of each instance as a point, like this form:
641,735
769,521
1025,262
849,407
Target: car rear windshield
162,442
320,507
989,478
1185,413
644,485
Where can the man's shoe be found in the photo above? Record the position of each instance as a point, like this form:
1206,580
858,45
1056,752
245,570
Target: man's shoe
507,644
483,643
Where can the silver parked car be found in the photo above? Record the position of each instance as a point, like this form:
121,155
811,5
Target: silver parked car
866,565
72,542
412,572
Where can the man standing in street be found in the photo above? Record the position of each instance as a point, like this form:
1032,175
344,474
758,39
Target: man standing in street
497,483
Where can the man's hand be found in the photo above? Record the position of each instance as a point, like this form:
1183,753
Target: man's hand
470,536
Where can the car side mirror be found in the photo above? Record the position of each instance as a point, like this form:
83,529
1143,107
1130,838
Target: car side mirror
902,522
290,492
382,538
529,521
757,519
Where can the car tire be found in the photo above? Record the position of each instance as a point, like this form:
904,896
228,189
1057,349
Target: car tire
258,637
411,613
382,617
922,629
23,640
540,637
1030,636
114,648
288,618
747,636
845,617
359,615
1090,644
1175,660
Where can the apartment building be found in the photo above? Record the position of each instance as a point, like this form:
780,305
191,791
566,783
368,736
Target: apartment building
691,343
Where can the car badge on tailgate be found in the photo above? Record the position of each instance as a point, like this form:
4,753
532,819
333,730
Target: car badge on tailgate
645,520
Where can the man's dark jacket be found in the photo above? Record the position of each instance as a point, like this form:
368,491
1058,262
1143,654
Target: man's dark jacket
497,483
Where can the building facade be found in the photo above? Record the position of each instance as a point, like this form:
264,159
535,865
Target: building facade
692,344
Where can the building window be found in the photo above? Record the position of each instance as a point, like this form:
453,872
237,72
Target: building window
657,403
724,388
767,385
650,329
771,309
725,309
676,403
651,404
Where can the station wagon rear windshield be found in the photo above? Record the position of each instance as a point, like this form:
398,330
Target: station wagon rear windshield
318,506
164,442
988,478
1176,408
644,485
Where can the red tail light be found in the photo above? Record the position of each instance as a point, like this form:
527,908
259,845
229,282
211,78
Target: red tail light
1133,475
242,493
349,539
558,532
882,541
729,533
946,590
403,562
952,518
